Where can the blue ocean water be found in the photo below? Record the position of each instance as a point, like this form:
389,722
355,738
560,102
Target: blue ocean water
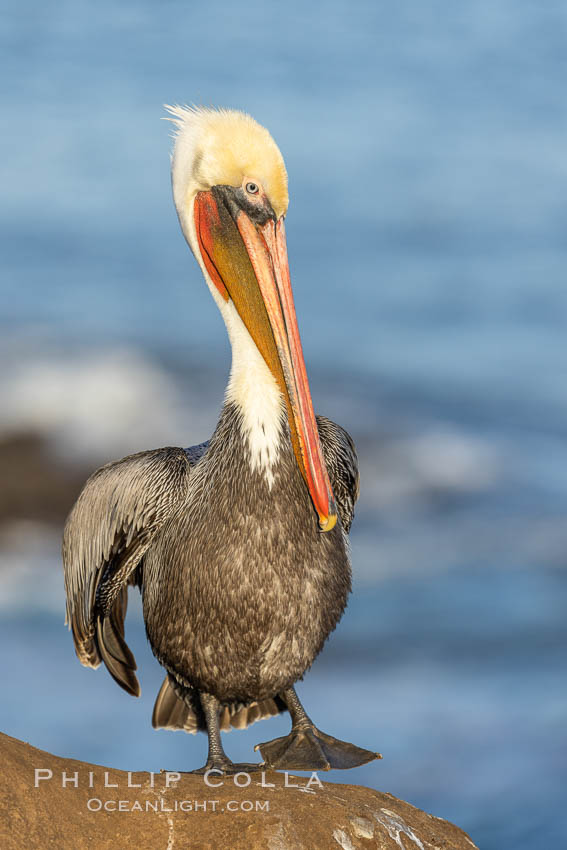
425,145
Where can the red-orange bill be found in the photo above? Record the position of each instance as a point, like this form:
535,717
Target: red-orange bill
248,263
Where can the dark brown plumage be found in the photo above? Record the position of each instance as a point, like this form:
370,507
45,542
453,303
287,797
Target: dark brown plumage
202,534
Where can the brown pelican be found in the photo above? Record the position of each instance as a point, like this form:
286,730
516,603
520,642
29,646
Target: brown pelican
238,545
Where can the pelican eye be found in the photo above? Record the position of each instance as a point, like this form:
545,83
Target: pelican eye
252,188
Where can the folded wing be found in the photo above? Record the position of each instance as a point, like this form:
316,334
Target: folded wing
118,514
342,466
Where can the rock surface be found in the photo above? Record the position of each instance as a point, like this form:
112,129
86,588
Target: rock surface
57,808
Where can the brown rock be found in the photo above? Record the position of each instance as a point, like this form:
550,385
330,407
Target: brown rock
57,808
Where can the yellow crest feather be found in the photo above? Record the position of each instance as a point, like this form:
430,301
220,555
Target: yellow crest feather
222,147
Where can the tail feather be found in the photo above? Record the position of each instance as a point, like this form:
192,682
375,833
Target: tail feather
172,710
237,716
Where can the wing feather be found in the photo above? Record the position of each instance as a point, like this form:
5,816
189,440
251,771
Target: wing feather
342,465
121,508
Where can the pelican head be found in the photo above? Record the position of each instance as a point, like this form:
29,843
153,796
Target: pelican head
230,191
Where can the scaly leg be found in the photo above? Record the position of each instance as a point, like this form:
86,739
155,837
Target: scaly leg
217,759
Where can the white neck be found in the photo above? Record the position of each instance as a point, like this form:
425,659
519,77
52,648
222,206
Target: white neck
253,388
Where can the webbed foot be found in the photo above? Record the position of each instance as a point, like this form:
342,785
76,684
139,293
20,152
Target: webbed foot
307,748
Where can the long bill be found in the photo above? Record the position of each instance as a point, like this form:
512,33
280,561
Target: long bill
248,263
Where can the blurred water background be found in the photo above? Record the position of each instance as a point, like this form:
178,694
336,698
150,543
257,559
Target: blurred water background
427,232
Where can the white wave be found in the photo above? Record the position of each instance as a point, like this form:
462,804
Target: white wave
100,403
409,470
